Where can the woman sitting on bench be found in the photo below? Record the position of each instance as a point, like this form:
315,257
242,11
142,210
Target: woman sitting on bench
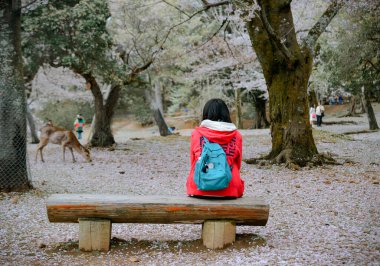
216,127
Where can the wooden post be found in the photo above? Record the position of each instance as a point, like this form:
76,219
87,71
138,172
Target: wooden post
94,234
217,234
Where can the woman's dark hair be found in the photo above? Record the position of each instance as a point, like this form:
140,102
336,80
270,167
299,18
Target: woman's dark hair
216,110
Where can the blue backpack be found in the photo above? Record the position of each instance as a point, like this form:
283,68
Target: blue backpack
212,171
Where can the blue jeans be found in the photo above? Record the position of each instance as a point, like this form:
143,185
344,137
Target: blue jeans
319,120
79,134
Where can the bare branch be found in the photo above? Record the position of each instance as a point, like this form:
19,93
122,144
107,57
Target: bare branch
205,8
225,40
207,5
273,36
307,30
370,62
29,4
176,7
137,70
322,23
209,39
215,33
304,30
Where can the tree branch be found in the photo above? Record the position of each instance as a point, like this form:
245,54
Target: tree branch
225,40
322,23
208,39
112,100
206,6
273,36
369,62
137,70
29,4
176,7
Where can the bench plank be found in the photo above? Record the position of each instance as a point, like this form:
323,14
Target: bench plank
69,208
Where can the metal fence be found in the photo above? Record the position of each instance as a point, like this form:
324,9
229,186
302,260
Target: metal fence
14,174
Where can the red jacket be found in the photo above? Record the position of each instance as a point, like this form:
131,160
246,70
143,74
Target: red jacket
231,141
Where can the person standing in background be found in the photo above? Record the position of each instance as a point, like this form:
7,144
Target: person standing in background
79,124
320,113
340,99
313,116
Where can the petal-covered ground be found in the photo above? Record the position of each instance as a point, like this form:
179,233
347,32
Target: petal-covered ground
318,216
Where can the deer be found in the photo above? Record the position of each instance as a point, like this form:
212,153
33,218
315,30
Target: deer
63,137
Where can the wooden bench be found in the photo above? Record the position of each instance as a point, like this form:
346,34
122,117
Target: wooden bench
96,213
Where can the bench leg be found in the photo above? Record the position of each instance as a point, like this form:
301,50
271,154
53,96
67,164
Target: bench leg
94,234
217,234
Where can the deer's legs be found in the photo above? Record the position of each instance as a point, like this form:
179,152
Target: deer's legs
35,158
40,147
63,151
42,158
72,154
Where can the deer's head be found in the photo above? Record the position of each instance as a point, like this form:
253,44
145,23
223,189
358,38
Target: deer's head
86,154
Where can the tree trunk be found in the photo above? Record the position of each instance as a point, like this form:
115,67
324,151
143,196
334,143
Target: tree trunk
239,122
312,98
292,138
13,167
157,115
362,106
260,120
158,96
354,102
92,129
369,110
351,111
32,126
286,68
102,136
160,121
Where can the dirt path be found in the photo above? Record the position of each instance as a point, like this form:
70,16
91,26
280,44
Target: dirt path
319,216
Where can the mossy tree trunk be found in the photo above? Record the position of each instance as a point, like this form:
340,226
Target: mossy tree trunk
369,110
104,111
158,96
313,101
352,107
32,126
13,167
238,121
354,102
287,66
260,119
153,101
161,123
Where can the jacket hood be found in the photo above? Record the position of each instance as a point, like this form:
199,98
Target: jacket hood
220,132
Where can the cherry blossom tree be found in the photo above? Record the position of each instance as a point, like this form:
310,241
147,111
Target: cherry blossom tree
287,64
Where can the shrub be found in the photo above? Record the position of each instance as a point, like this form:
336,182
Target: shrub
141,110
63,113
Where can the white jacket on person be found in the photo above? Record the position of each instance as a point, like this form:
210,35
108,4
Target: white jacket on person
320,109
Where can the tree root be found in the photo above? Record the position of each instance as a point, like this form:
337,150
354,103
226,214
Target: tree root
349,115
325,158
286,157
359,132
340,122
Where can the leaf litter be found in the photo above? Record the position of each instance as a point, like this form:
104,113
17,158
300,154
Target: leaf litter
318,216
